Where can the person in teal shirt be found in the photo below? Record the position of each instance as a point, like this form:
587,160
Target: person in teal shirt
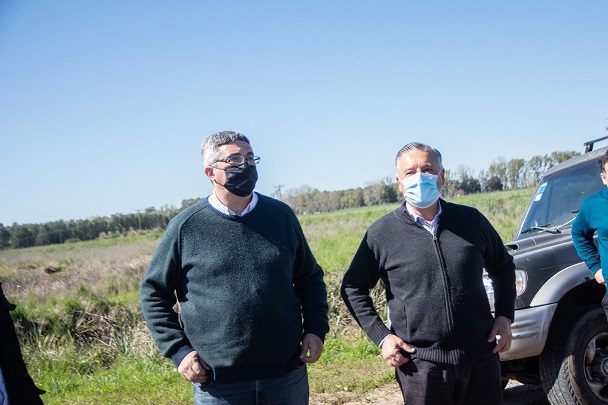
593,217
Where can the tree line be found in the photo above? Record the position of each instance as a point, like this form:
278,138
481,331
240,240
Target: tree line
306,200
27,235
503,174
500,175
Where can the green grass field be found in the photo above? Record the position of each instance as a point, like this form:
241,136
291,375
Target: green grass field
85,341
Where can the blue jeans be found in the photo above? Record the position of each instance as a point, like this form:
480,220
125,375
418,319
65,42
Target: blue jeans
287,389
3,393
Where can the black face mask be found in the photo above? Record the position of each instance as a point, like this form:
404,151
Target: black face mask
240,180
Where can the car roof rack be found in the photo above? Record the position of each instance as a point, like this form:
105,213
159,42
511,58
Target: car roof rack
589,144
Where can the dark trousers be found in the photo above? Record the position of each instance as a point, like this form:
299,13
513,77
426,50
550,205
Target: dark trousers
477,381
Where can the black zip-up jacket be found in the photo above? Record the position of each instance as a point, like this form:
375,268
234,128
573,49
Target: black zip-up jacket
434,288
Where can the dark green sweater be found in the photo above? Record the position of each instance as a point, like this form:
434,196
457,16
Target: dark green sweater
248,288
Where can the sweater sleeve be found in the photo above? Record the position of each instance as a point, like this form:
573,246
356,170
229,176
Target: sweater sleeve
310,287
362,275
582,237
501,270
157,298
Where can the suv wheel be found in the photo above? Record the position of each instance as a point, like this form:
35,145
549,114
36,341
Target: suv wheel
574,364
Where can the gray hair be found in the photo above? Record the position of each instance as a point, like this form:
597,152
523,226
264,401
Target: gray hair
212,143
419,146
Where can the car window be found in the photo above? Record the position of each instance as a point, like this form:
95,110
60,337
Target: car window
558,197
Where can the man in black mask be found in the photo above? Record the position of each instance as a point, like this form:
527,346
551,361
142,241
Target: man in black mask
253,303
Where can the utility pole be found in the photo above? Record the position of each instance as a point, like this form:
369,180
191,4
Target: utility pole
138,220
277,191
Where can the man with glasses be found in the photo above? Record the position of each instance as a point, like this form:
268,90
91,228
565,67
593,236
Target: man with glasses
253,303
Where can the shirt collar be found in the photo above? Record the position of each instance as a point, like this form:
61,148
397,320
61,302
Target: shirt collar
218,205
421,221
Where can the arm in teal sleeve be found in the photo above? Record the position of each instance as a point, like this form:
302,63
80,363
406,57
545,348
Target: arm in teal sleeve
582,237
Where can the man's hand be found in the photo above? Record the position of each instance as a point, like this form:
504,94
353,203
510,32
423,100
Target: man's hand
599,277
312,347
194,369
392,351
501,328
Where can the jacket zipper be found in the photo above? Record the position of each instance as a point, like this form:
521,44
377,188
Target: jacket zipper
445,285
444,276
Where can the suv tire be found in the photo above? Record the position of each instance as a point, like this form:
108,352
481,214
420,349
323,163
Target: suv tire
574,364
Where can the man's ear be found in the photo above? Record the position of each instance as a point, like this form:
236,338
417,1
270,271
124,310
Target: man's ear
208,170
604,177
399,185
441,179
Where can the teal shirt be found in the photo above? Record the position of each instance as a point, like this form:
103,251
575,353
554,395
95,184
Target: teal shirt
248,288
593,217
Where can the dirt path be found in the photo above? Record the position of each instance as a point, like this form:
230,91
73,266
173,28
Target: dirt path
515,394
385,395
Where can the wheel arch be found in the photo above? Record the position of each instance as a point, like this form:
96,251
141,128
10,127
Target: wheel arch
562,284
587,293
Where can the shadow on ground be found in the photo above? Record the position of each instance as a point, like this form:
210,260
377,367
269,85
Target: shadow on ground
525,395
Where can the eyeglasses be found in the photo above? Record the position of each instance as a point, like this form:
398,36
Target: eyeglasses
238,160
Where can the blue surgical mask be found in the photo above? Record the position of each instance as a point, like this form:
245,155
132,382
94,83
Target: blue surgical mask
421,189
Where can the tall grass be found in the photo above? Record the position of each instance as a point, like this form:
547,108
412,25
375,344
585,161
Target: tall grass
504,209
84,337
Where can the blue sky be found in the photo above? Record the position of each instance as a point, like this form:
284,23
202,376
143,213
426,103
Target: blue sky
103,104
